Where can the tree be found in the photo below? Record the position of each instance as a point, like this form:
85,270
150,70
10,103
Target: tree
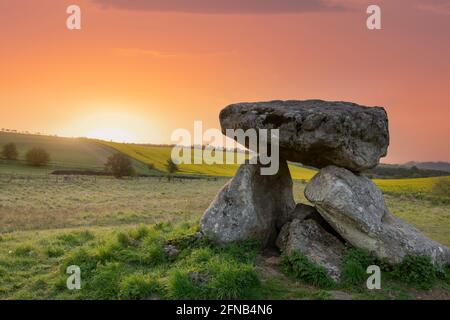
171,168
119,165
10,151
37,157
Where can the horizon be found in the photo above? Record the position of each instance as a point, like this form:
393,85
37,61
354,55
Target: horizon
137,71
170,144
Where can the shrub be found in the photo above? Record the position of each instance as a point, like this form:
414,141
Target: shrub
9,151
355,264
171,168
136,286
417,271
299,266
119,165
37,157
441,187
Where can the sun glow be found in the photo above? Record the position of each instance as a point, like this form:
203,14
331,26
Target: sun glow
113,126
114,134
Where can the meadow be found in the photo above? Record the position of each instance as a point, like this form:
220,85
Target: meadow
117,230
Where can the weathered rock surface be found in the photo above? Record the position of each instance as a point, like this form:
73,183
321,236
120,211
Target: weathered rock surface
310,239
249,206
355,208
317,133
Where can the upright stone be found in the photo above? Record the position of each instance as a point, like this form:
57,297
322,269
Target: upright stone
249,206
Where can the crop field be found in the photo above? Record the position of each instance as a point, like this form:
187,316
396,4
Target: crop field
158,156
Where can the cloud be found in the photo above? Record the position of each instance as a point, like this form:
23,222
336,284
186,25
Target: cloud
224,6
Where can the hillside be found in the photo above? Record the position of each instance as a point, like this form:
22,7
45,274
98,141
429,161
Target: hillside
442,166
65,153
158,155
91,154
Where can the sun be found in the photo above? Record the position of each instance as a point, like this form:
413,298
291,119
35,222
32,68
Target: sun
112,134
118,126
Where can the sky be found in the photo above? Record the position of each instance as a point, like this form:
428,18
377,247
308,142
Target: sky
137,70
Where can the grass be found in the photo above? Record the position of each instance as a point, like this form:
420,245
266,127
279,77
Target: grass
116,231
420,188
299,266
158,155
64,152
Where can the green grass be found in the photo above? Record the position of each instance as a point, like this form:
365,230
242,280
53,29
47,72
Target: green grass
299,266
65,153
116,229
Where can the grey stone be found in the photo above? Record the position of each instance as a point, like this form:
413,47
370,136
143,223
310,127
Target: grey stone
313,241
317,133
301,212
355,208
249,206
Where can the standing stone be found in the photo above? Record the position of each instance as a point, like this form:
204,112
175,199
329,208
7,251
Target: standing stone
355,208
249,206
313,241
317,133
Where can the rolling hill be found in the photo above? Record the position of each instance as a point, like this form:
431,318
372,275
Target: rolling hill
90,154
158,155
442,166
65,153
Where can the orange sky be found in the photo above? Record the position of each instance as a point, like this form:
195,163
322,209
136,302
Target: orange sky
147,68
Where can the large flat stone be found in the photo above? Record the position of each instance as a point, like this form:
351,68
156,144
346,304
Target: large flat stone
317,133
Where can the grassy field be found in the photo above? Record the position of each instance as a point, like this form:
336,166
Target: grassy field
117,229
158,155
45,224
65,153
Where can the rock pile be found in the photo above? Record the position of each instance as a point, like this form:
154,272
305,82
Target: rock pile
340,138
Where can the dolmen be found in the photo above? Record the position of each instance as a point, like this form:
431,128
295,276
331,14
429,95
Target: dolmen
342,139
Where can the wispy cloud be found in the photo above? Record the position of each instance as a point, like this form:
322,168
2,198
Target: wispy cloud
225,6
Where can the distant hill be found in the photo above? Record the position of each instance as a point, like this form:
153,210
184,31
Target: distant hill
65,153
442,166
395,171
91,154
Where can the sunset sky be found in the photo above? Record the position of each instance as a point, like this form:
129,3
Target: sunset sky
137,70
